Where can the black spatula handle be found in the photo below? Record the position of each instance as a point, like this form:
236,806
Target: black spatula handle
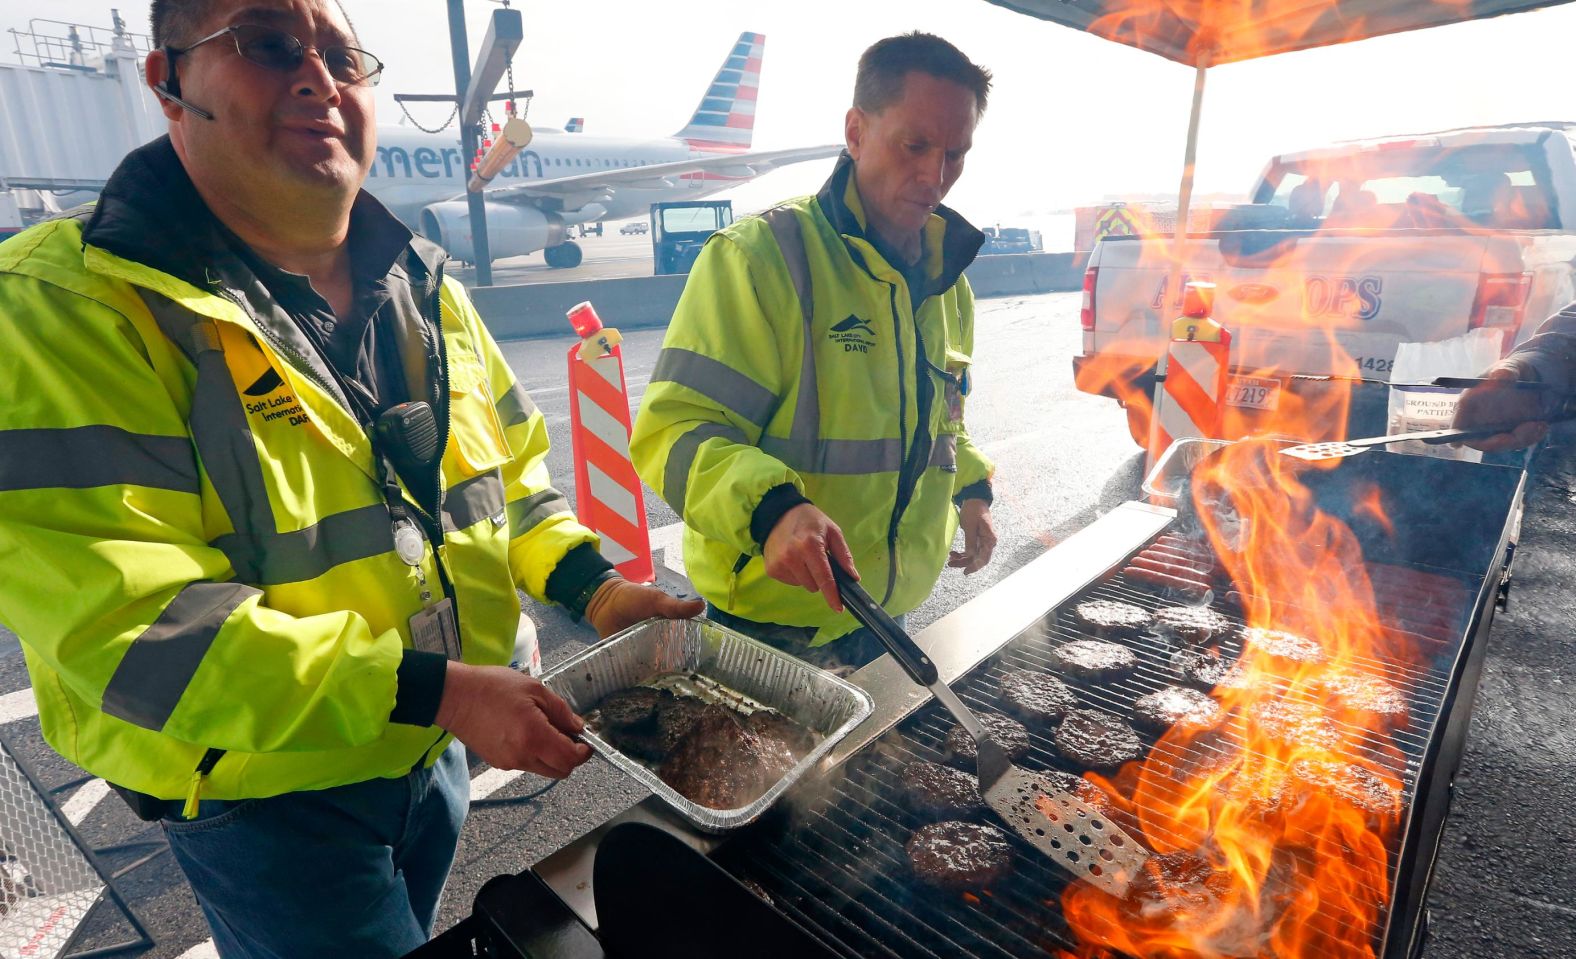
874,618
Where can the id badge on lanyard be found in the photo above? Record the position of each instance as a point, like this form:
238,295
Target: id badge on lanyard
958,386
434,630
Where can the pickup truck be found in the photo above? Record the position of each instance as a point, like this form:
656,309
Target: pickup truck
1344,253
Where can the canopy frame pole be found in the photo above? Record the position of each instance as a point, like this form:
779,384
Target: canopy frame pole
1189,159
1174,280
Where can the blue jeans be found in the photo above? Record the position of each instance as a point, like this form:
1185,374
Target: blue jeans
353,871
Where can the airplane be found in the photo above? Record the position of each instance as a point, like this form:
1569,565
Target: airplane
564,178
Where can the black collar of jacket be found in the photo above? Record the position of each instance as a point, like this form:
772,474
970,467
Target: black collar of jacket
960,242
150,213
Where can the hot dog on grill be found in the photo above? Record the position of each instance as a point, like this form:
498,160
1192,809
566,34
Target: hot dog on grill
1186,587
1170,568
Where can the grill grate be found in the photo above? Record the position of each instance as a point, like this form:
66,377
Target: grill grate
839,866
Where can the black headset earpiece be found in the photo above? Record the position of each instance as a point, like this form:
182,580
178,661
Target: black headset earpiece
170,89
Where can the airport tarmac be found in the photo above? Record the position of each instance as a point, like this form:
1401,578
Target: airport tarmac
608,256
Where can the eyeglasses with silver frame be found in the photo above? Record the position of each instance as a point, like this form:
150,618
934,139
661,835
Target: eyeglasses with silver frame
277,49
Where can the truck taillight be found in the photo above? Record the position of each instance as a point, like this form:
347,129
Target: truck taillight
1086,314
1501,302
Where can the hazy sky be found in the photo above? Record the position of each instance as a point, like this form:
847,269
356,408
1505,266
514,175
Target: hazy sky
1072,117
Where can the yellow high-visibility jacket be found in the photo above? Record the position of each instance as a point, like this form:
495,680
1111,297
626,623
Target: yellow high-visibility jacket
194,548
854,398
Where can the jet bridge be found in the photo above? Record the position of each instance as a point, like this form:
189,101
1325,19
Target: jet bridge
75,105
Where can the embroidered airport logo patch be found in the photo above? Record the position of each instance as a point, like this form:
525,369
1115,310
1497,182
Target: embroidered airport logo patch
854,334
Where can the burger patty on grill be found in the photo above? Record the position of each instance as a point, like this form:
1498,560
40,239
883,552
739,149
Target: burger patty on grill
959,855
1295,723
1036,697
1008,733
1184,890
1373,699
1279,644
1258,788
1208,669
1107,617
940,792
1094,740
1175,706
1080,787
1175,883
1094,659
1193,624
1355,784
1204,668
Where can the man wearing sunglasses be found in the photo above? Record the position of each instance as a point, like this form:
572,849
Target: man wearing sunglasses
267,491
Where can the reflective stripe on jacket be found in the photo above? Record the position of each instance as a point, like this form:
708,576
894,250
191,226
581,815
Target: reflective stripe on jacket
847,397
194,549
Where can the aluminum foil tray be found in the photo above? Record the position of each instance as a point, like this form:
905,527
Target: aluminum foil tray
1176,465
826,704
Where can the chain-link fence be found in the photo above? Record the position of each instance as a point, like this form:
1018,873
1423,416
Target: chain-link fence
48,882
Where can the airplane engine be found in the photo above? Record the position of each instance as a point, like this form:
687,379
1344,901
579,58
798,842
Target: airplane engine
511,230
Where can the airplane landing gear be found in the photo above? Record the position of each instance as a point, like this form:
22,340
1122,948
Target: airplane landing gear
563,256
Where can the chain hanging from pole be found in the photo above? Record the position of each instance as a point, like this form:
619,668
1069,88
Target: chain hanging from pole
508,105
452,114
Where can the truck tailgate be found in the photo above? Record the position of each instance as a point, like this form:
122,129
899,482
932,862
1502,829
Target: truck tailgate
1322,304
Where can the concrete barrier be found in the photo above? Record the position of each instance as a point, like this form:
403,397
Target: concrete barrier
632,303
1017,274
538,309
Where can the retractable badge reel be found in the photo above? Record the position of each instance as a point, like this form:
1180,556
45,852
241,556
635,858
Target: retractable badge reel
409,544
408,435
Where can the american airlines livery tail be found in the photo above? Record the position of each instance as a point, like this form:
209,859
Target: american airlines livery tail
725,118
567,177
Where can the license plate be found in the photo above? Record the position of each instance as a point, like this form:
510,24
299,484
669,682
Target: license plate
1253,393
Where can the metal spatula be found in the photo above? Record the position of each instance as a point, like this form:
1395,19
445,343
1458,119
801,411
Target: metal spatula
1340,449
1070,832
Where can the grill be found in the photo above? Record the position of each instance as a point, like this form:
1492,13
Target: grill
838,866
832,858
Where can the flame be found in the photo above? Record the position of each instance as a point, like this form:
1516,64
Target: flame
1272,831
1270,836
1244,28
1369,507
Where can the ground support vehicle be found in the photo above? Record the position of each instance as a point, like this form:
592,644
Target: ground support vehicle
679,230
